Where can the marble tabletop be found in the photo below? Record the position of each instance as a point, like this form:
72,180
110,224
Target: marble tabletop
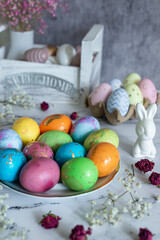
27,210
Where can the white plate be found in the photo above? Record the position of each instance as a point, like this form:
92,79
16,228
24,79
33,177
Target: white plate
60,191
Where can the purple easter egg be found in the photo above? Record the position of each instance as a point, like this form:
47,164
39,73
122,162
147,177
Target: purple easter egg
37,149
83,127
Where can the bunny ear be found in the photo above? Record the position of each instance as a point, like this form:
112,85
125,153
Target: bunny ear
151,111
141,112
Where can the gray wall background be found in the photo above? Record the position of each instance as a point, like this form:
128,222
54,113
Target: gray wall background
131,34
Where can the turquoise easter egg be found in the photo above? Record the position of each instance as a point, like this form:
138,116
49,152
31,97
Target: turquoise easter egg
68,151
11,162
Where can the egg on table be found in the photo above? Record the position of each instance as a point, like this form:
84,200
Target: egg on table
68,151
135,94
79,174
58,122
11,162
119,100
115,84
10,139
27,128
39,55
148,89
105,156
39,174
132,78
65,53
83,127
100,93
101,135
54,139
37,149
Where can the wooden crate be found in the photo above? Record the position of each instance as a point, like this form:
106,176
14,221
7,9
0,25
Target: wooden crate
57,82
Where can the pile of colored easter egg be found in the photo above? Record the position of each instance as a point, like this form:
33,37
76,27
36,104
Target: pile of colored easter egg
117,100
64,55
38,156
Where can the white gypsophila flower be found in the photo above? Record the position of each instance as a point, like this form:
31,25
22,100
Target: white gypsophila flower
158,198
139,185
124,210
114,211
108,211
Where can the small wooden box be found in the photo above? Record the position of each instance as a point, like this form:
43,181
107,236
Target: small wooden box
57,82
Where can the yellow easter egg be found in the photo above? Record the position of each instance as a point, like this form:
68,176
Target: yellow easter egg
27,128
132,78
135,94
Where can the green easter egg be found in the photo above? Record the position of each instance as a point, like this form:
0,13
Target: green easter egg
79,174
54,139
101,135
131,78
135,94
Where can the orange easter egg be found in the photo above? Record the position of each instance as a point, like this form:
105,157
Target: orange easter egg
105,156
59,122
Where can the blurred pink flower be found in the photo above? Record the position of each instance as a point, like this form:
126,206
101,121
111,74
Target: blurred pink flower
26,15
145,234
79,233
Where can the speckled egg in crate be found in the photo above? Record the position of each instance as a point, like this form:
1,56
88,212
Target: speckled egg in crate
117,101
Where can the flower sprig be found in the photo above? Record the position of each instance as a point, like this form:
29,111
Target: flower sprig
15,98
111,211
8,229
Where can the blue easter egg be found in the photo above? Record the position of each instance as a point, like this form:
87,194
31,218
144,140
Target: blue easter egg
68,151
115,84
119,100
83,127
11,162
10,139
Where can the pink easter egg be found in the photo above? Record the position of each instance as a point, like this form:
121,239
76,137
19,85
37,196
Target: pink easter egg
39,174
39,55
78,49
100,93
76,60
37,149
148,89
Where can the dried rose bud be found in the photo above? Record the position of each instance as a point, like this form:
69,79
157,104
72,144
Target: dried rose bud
145,234
74,116
144,165
50,221
154,178
44,106
78,233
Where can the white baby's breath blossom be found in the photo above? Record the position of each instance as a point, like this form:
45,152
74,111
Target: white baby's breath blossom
158,199
110,212
15,98
139,185
7,226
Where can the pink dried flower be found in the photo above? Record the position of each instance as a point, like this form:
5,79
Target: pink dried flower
74,116
79,233
44,106
144,165
154,178
145,234
50,221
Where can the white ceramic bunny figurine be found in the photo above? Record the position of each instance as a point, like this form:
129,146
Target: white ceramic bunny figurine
145,130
